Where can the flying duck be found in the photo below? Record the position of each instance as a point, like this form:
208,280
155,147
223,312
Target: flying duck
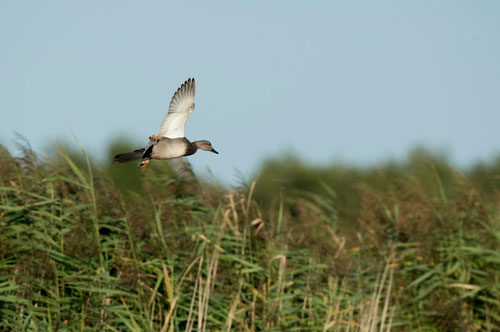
170,142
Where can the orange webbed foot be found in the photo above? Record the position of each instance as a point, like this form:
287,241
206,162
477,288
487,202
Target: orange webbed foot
144,164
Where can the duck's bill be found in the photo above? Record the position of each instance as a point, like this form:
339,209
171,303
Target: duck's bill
213,150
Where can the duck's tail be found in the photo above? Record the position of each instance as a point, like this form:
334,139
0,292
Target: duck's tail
128,156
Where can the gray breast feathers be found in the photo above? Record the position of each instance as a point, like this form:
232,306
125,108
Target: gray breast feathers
169,148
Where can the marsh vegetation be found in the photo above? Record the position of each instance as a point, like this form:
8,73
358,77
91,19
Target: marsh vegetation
406,246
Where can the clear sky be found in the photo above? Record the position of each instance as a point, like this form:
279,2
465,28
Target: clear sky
356,81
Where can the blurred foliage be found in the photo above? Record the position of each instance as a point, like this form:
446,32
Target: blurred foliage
410,245
288,177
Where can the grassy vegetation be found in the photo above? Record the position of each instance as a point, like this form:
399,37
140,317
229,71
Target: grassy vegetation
406,246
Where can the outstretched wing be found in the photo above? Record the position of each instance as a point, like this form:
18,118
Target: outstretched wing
181,106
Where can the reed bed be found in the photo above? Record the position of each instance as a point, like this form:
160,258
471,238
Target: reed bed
407,247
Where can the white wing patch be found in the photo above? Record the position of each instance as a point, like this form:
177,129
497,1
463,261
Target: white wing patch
181,106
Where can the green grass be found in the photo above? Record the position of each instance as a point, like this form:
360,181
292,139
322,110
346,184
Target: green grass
405,246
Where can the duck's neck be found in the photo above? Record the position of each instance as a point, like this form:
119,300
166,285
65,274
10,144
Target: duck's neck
192,147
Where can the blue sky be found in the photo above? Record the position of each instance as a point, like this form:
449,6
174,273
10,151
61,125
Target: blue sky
355,81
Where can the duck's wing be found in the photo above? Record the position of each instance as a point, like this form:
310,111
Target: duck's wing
181,106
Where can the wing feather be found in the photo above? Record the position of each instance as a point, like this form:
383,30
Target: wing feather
181,106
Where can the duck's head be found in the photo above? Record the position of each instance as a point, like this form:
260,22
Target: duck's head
205,145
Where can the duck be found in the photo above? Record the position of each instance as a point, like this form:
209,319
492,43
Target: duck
170,143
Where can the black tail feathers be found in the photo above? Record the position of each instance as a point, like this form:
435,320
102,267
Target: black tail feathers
128,156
